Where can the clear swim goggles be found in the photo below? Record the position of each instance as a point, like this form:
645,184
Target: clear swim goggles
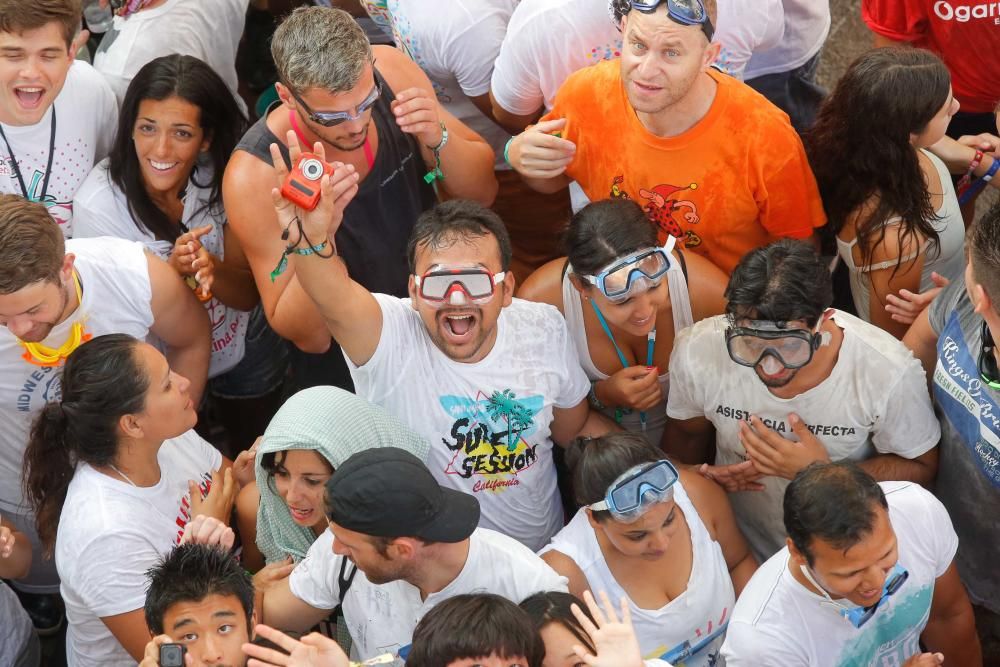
858,616
638,489
793,348
640,271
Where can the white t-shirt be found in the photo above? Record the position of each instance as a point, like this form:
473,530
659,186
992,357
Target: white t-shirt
116,299
209,31
807,23
381,618
693,623
102,210
875,401
86,122
456,43
778,622
111,532
487,422
746,27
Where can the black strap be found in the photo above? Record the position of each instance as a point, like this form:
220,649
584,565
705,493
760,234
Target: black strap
48,168
344,580
684,264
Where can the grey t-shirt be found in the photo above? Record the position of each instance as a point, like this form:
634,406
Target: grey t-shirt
968,481
15,626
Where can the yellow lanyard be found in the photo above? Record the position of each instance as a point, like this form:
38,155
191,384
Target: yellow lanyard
42,355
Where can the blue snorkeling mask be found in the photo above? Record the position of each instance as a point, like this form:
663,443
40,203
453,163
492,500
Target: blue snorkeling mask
638,489
858,616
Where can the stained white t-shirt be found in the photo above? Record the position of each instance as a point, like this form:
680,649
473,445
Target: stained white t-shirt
875,401
693,624
456,43
116,299
487,422
778,622
209,31
807,23
86,121
102,210
381,617
111,532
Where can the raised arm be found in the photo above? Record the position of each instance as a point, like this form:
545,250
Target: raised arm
350,312
290,312
182,324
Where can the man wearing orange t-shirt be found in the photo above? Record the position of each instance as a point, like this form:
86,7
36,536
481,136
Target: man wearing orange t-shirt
711,161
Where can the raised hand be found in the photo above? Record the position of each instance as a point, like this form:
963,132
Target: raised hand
908,305
218,502
635,387
209,531
6,542
151,656
243,466
416,112
778,456
734,477
336,192
613,639
925,660
313,650
272,573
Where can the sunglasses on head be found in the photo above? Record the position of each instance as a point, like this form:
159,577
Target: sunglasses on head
685,12
442,285
333,118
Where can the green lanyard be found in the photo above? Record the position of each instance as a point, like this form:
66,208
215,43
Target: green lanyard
650,346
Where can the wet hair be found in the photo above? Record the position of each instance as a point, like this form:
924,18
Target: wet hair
219,116
984,253
453,221
860,150
191,573
320,47
604,231
595,463
18,16
32,247
556,607
781,282
101,382
832,502
474,626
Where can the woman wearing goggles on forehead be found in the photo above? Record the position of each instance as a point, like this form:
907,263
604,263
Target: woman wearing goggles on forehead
666,540
624,297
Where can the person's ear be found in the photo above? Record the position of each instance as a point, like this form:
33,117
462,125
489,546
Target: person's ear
285,95
711,54
577,282
206,142
404,548
130,426
66,269
411,289
980,300
795,556
509,283
594,523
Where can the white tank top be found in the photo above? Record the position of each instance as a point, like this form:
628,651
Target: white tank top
697,616
116,299
947,258
680,302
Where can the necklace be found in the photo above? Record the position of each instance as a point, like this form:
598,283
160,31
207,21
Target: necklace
48,167
123,475
650,347
47,357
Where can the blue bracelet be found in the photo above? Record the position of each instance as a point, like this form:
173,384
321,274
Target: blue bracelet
976,186
506,151
312,250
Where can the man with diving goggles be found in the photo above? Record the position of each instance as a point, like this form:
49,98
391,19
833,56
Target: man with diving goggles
489,380
782,380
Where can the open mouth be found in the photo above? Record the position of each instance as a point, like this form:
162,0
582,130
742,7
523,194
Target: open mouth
29,97
162,167
300,515
458,327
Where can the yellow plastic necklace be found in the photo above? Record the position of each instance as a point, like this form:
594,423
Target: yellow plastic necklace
42,355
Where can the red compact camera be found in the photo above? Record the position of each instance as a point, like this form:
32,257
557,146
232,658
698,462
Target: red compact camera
301,186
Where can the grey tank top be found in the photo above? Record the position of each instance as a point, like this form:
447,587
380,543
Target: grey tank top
378,221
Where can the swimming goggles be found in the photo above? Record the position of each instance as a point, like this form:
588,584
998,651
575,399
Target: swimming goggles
793,348
640,271
457,286
638,489
858,616
987,363
685,12
333,118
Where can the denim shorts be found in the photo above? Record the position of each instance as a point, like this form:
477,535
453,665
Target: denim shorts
263,367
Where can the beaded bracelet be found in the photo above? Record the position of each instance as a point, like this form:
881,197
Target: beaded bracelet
436,174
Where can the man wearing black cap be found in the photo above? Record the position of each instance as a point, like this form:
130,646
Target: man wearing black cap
415,544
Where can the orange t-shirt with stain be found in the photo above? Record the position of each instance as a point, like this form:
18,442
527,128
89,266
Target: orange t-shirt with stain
737,180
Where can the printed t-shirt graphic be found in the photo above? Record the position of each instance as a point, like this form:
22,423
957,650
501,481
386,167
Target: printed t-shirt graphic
737,180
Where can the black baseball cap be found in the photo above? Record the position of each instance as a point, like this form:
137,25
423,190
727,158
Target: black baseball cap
389,492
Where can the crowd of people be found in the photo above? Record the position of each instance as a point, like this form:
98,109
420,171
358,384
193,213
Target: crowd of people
536,333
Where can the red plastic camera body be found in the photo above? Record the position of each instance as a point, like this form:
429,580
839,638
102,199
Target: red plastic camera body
301,186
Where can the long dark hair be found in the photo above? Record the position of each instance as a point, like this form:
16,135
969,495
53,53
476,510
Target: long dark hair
556,607
603,231
101,382
220,117
860,147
